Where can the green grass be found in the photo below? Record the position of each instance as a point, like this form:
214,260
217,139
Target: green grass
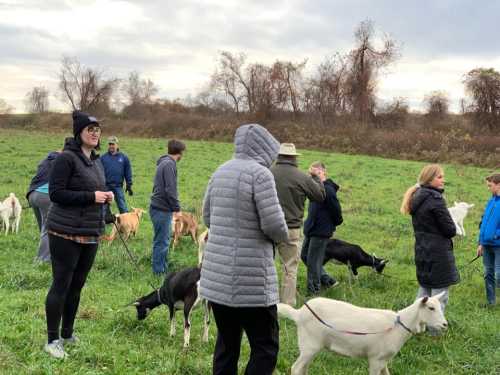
114,342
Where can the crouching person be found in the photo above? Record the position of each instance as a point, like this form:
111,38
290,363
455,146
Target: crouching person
238,275
322,220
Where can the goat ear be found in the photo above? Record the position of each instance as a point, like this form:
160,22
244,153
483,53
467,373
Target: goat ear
424,300
384,261
440,296
136,303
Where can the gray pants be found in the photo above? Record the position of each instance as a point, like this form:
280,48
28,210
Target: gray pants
40,202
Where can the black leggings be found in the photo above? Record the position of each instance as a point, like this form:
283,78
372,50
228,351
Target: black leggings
71,263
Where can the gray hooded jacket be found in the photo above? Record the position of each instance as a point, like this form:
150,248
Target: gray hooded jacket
242,210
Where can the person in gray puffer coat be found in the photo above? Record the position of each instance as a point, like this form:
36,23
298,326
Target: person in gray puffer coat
238,275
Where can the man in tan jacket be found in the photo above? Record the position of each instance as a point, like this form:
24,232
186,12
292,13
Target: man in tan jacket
293,187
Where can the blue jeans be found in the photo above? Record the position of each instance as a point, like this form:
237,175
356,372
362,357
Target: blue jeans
162,223
491,262
313,254
119,198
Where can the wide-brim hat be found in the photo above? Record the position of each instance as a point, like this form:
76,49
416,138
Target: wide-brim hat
288,149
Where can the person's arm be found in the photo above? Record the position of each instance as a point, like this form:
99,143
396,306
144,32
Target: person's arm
314,188
206,205
128,176
128,172
59,177
169,178
443,218
334,208
271,216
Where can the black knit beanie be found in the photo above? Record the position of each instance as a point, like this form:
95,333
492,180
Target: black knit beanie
81,120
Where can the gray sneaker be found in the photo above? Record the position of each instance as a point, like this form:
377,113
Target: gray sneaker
73,340
55,349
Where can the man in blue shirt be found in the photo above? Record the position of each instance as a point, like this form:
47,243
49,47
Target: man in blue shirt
117,168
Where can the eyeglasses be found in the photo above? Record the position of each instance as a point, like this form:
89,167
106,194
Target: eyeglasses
94,129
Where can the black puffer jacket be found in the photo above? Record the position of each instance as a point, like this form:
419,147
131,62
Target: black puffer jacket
434,228
73,182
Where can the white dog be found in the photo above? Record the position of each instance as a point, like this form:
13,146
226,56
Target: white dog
11,209
353,331
458,213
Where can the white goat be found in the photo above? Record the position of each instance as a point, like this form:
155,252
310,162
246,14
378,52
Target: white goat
353,331
11,209
458,213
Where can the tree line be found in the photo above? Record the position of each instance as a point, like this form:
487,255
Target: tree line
342,85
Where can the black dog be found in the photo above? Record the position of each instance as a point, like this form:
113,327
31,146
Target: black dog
179,291
353,256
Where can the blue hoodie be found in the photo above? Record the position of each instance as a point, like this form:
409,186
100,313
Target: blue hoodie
489,232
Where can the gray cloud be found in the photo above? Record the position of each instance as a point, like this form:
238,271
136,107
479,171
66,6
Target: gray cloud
183,35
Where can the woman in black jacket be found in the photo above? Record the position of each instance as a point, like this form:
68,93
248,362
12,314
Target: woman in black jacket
74,223
434,230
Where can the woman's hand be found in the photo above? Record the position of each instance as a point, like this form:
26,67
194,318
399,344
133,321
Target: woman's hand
479,251
111,197
103,196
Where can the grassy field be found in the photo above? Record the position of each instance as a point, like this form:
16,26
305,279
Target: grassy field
114,342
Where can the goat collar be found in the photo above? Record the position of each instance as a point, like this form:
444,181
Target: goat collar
400,322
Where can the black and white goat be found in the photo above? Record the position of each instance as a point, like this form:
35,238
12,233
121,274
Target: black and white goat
353,256
179,291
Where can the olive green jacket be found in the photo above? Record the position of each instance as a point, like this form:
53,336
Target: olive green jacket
293,187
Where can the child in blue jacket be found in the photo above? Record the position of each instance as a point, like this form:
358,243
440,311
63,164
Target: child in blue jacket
489,239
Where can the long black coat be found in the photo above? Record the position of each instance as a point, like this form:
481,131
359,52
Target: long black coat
434,229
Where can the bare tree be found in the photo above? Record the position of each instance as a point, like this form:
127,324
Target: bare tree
85,88
393,114
5,108
365,63
138,90
265,94
229,79
37,100
483,86
437,104
287,84
324,93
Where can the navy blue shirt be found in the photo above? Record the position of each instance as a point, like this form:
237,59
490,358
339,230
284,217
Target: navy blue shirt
324,217
117,168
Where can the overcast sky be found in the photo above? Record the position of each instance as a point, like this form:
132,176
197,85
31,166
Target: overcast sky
176,42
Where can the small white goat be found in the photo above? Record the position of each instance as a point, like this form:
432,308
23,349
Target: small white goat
353,331
458,213
11,209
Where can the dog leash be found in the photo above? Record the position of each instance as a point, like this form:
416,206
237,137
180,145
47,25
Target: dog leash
130,255
358,333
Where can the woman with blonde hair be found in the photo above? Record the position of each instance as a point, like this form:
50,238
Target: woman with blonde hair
434,229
